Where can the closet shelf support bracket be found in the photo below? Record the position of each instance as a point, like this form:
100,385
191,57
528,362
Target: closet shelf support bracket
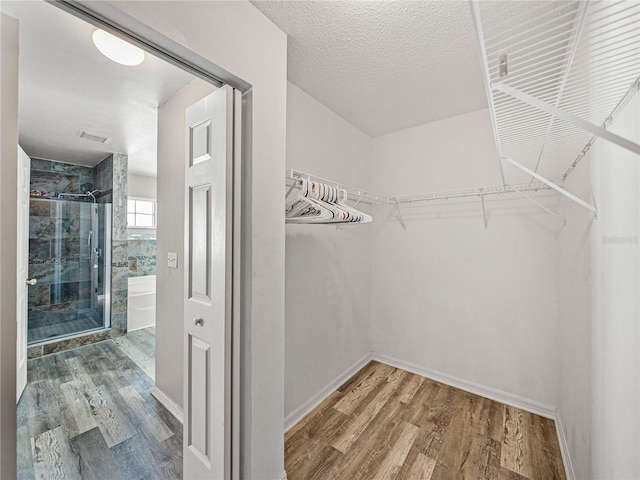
549,183
397,204
567,117
484,210
549,211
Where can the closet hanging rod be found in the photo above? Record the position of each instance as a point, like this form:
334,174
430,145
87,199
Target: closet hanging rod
356,194
473,192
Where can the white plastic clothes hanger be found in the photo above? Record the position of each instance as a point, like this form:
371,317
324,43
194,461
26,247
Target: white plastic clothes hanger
325,194
358,216
305,209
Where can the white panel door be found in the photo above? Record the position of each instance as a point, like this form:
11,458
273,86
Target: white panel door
24,167
208,286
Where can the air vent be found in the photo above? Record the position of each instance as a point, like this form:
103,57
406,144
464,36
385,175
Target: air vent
94,138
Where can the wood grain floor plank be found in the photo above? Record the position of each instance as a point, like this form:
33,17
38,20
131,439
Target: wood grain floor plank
421,468
359,423
506,474
362,390
43,409
25,455
315,417
483,459
137,354
394,460
146,416
96,460
53,458
81,417
362,460
488,418
410,388
113,424
515,450
349,384
78,371
306,442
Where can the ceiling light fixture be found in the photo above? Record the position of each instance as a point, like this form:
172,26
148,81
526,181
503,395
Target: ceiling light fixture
116,49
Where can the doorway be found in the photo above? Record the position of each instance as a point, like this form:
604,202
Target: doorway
235,219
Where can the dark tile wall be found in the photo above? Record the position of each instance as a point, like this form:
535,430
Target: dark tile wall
48,178
142,257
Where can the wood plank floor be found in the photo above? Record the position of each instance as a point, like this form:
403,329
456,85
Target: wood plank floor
87,413
388,424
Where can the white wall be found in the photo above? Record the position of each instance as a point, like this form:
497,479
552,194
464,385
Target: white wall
8,241
616,307
574,321
140,185
170,237
235,36
328,270
449,296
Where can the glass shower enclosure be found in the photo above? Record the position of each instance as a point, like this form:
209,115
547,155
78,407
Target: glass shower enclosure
70,259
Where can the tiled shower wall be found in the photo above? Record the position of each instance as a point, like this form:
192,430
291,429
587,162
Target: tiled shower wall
142,257
49,178
111,178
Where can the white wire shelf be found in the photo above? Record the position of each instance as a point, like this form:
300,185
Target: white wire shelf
580,61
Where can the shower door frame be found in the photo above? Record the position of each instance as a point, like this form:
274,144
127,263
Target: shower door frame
60,203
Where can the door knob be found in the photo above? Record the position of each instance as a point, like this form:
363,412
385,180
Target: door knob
31,281
198,321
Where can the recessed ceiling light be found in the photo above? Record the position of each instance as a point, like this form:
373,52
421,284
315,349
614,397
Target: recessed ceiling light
117,49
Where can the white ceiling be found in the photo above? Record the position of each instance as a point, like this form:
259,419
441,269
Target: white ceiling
67,86
383,66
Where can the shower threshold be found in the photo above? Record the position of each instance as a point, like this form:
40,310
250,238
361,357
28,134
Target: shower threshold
67,342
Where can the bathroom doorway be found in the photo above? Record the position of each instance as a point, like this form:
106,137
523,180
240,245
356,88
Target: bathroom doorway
204,70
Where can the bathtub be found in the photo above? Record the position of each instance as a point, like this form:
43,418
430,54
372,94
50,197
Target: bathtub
141,305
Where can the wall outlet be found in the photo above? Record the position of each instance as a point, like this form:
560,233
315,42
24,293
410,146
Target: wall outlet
172,260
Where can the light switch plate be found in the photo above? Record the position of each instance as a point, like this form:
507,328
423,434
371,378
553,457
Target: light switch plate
172,260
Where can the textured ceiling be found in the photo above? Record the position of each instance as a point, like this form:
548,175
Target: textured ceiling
383,66
67,86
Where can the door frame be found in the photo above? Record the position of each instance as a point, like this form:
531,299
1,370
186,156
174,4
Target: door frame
105,16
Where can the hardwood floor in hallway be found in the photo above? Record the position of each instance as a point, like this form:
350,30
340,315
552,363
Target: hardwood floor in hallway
388,424
87,413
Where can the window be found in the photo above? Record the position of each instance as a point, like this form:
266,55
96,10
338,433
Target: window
141,213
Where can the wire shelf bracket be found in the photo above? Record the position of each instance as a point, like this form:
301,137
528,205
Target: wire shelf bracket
557,188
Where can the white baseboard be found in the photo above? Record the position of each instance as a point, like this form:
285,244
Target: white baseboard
168,403
522,403
564,450
304,409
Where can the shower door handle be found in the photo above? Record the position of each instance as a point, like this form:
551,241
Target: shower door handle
31,281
